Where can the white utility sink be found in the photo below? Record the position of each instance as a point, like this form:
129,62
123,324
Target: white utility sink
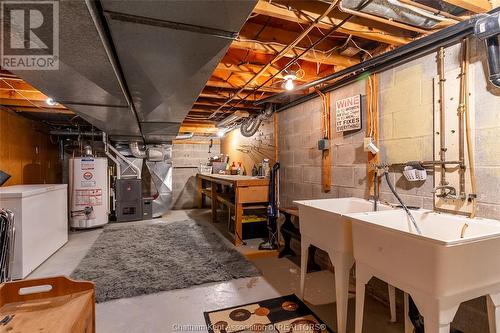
454,260
322,224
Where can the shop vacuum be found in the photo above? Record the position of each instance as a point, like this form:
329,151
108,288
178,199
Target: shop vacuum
272,211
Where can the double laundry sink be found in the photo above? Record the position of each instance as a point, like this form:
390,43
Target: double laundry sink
453,260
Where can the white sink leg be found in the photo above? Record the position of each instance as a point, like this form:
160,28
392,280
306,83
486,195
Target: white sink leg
437,315
392,302
362,277
408,324
342,264
493,302
304,255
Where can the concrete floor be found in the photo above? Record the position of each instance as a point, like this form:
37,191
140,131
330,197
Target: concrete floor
182,310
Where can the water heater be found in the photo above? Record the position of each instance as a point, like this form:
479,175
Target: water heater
88,192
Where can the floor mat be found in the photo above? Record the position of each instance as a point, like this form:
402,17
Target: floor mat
135,260
277,315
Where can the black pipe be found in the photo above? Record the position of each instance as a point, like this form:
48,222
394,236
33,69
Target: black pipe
172,25
493,60
405,53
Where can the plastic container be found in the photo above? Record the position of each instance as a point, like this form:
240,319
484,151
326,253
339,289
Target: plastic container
414,175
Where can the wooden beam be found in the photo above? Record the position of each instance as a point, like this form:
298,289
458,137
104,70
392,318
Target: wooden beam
476,6
372,94
326,155
207,102
44,110
201,129
236,83
24,103
246,71
21,95
349,28
271,36
196,142
334,59
210,92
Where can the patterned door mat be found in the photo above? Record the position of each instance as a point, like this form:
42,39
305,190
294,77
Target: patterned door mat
286,314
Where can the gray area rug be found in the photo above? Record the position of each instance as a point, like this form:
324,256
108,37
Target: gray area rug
135,260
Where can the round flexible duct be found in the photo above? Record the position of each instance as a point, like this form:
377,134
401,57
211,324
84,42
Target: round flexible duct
136,152
251,125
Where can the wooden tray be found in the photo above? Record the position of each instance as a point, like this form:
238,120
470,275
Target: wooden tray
55,305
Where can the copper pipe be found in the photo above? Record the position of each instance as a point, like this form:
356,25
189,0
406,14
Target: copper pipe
461,111
442,115
383,20
468,132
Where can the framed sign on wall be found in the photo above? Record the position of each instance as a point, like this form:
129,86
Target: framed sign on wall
348,114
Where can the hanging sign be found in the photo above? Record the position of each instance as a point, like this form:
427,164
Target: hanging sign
348,114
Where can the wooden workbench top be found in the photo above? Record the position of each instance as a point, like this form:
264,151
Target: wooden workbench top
237,180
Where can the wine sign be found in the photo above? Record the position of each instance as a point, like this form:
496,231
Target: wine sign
348,114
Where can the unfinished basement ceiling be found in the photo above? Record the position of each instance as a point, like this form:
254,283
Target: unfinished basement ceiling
185,70
164,52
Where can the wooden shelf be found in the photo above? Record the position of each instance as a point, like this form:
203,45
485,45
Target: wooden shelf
259,220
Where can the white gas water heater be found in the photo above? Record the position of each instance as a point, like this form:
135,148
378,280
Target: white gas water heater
88,192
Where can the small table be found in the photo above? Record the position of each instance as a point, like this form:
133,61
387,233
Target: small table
250,193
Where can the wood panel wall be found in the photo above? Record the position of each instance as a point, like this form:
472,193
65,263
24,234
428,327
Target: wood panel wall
26,152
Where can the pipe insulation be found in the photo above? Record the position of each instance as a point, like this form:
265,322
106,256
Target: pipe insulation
397,11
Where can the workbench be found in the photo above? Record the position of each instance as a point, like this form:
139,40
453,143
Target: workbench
249,193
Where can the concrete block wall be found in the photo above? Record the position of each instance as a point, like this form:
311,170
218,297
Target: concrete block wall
186,159
250,151
406,133
406,110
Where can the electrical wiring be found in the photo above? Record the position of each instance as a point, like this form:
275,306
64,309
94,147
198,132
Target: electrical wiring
331,31
370,107
324,112
24,97
362,49
283,52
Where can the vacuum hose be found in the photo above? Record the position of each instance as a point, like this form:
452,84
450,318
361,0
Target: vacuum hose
402,203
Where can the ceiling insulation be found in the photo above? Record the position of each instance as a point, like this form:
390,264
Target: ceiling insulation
397,11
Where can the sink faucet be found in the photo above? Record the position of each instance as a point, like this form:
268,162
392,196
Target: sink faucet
451,193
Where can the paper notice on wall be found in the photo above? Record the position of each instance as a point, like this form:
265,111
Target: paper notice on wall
348,114
91,197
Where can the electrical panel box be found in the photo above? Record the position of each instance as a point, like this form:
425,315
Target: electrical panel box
128,200
323,144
